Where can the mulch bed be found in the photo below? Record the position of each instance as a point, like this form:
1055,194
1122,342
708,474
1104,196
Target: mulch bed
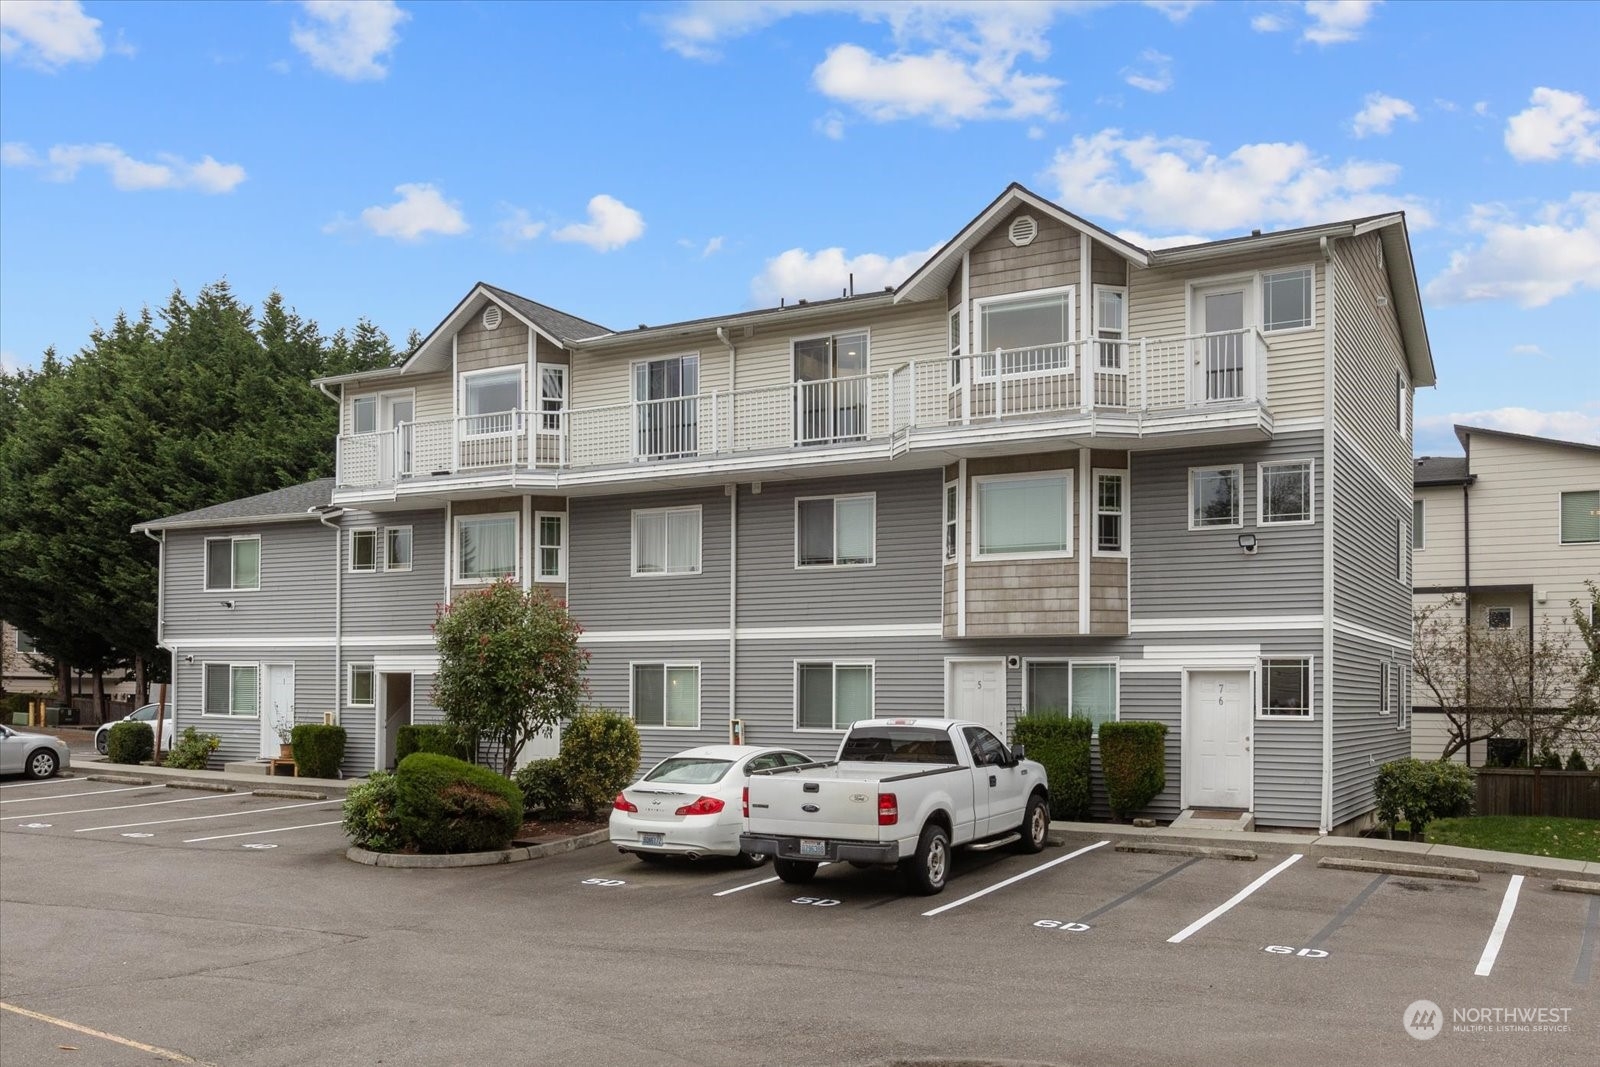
539,831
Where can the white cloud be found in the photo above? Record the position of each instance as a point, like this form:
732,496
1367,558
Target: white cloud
9,363
1558,125
1174,240
1379,113
940,86
712,247
63,162
1177,183
1154,75
611,225
830,126
518,226
48,34
1531,262
1565,425
1269,23
1526,350
1481,108
349,39
825,274
1337,21
421,210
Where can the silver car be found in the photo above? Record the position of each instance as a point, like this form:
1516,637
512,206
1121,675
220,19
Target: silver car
36,755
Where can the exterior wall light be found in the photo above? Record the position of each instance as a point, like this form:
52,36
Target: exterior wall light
1248,543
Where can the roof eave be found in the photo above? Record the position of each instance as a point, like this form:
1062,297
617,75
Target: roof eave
237,520
765,316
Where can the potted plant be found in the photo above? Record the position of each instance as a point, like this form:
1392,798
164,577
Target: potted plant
285,731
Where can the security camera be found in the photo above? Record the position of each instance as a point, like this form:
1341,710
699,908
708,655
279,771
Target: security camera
227,603
189,658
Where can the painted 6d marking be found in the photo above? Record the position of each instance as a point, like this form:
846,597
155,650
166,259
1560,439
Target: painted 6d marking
816,902
604,881
1057,924
1290,950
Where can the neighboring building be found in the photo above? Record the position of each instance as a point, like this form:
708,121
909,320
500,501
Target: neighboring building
1050,470
1512,529
17,672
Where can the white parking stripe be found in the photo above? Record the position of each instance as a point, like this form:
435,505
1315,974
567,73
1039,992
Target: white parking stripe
1029,873
752,885
65,796
197,818
47,781
254,833
1492,948
1204,920
124,807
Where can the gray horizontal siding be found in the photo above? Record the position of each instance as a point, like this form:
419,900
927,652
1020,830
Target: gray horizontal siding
1149,698
610,681
1365,587
1363,739
600,589
394,602
296,594
241,737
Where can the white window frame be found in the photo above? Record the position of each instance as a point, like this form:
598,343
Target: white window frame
389,565
1384,682
16,643
979,304
957,348
1070,662
1400,404
522,399
351,567
1403,687
951,527
1120,341
355,421
667,665
350,686
1126,525
1419,524
872,692
459,557
539,546
633,542
546,415
1560,533
978,554
836,565
1264,676
1255,283
1261,493
205,565
1511,617
232,666
1311,301
832,338
1238,469
1402,551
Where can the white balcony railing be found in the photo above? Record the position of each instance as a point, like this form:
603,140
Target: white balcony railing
1043,382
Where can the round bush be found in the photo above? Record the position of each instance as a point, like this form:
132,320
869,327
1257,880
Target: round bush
443,804
544,787
193,750
599,755
130,742
369,816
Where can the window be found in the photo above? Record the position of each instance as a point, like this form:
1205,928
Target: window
1580,518
364,414
666,695
1110,513
1498,618
233,563
552,395
1031,330
1403,685
1286,300
1419,539
830,388
486,547
26,644
831,696
397,548
490,400
550,560
987,749
1383,688
1399,403
1215,494
231,689
666,541
835,531
1286,688
1084,690
363,689
1284,493
1402,542
364,550
952,520
1024,515
666,408
955,347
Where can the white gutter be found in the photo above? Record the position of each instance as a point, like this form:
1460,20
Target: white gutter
1328,361
733,604
161,584
338,607
1264,242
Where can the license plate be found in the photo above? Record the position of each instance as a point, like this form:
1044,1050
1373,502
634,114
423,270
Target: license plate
652,840
809,847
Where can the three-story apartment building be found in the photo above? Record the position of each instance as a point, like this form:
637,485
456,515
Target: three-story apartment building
1051,470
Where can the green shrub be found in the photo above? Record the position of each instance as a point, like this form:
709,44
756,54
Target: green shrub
14,709
369,816
130,742
433,737
1550,759
193,750
443,804
1576,762
318,750
1133,760
599,755
543,783
1062,745
1421,791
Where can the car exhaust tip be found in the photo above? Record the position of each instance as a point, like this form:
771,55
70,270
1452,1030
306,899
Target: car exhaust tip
693,856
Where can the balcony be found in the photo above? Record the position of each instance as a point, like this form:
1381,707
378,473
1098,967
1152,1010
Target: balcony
1113,390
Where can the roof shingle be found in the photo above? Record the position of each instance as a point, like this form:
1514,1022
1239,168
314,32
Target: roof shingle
294,501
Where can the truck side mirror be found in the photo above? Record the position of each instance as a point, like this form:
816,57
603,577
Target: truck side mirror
1018,753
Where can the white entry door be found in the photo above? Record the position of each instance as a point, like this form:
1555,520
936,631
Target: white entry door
1218,771
1217,356
280,707
976,691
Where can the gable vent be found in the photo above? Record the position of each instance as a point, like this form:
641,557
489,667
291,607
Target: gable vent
1023,230
491,317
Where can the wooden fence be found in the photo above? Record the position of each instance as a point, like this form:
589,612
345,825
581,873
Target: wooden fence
1564,794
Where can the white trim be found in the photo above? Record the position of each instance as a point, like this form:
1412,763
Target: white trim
950,524
1069,662
1298,425
1237,468
764,633
624,637
1419,509
982,303
961,541
1352,629
449,548
949,692
388,559
1311,491
979,481
1385,673
1086,532
228,715
1224,623
1261,299
226,643
633,542
522,398
836,565
350,545
538,546
1311,691
205,564
1329,545
1186,775
872,692
1560,541
1127,520
412,665
350,685
516,553
667,665
385,640
526,573
1171,659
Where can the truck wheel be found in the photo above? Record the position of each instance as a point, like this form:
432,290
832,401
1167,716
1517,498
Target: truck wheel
1035,825
926,871
795,872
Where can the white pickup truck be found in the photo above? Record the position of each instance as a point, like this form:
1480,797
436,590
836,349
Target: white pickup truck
902,792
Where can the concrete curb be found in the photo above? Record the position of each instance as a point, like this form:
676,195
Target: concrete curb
1572,885
1408,870
206,787
239,782
1160,848
291,794
476,859
117,779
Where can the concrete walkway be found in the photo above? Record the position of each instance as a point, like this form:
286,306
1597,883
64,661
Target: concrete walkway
162,775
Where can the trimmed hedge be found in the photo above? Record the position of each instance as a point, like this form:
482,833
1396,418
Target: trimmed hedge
443,804
369,816
193,750
1133,760
433,737
318,750
544,787
599,755
1062,745
130,742
1421,792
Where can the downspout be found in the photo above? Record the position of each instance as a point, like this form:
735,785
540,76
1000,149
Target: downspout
161,621
733,601
1329,362
1466,598
338,606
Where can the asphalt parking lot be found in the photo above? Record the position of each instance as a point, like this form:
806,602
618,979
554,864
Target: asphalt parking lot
1079,955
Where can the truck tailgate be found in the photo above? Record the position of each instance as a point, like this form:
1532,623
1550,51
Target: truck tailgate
817,803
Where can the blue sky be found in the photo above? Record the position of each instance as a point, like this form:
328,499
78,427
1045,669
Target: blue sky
646,163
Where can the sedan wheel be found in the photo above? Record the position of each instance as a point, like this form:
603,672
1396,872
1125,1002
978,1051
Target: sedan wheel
42,764
100,742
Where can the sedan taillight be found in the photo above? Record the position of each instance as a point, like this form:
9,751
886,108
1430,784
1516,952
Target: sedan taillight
888,809
701,806
622,803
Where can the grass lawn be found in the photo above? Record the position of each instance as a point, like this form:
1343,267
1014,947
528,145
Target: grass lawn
1573,839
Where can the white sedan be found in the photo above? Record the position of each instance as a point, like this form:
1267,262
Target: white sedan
692,804
146,714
